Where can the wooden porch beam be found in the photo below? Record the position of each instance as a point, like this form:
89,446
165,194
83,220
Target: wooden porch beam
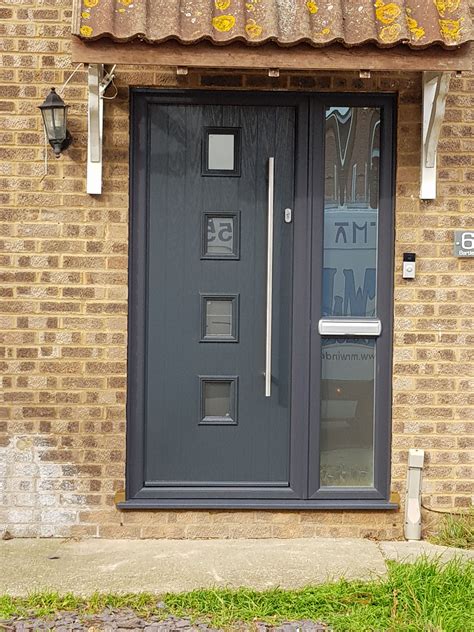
241,56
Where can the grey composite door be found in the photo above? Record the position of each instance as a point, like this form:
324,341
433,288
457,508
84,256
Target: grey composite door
213,427
223,411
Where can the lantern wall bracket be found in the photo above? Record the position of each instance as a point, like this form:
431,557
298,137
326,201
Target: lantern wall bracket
98,81
435,92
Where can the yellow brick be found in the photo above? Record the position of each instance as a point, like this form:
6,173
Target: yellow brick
63,267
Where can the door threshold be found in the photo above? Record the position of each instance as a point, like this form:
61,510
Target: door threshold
162,503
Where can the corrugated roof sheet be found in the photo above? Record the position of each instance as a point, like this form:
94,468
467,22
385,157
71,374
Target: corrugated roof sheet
416,23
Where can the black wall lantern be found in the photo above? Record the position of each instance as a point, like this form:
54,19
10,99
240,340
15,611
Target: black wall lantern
54,112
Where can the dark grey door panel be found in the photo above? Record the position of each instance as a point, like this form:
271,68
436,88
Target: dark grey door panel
209,429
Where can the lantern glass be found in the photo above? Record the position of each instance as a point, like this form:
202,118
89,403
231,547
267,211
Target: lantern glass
54,112
55,123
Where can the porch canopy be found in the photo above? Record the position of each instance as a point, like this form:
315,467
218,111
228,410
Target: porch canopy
285,34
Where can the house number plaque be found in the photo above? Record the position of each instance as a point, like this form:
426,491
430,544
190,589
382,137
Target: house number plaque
464,243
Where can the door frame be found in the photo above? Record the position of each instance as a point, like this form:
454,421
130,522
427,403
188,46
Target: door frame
137,495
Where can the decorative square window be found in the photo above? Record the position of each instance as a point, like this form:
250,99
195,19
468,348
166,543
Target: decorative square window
221,151
219,317
218,400
221,235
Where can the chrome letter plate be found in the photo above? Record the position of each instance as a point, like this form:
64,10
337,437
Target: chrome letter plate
350,327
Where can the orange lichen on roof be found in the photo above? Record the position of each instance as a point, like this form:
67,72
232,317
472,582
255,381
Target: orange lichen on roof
416,23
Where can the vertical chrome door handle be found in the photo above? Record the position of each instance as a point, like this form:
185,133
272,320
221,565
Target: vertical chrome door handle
268,345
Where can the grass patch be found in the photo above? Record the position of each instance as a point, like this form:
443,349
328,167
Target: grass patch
50,603
424,596
420,596
456,530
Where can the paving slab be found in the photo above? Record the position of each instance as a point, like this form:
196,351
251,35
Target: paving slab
159,566
409,551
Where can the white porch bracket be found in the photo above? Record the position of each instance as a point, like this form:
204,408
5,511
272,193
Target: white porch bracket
98,81
435,92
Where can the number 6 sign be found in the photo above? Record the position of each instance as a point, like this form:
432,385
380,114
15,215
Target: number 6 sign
464,243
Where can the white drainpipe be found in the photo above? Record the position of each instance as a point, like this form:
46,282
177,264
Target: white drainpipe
413,495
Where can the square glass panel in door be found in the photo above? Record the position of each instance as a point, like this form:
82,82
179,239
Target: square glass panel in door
352,150
219,318
221,235
221,152
218,400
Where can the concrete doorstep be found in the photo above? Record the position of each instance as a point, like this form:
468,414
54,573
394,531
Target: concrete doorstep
159,566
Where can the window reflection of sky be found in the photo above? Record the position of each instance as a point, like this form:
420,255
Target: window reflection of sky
340,110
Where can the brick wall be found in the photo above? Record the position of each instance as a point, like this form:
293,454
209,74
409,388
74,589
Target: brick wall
63,324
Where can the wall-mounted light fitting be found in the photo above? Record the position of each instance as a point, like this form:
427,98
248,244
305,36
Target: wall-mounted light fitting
54,112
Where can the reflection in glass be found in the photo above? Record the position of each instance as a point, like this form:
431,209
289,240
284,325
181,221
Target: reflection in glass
219,317
220,236
221,152
217,399
352,149
347,412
